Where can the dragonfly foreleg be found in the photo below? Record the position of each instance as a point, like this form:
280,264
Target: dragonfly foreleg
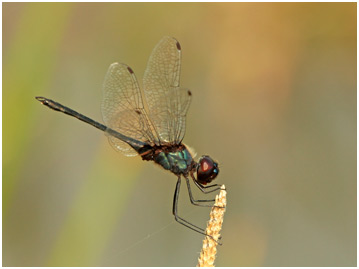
194,201
203,188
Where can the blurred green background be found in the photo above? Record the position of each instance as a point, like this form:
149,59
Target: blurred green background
274,101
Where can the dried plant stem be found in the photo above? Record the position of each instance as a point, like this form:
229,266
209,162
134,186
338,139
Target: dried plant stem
214,226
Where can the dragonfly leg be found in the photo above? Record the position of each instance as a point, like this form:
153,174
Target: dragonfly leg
183,221
175,209
194,201
203,188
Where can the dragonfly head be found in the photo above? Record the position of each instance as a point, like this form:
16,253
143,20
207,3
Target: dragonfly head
207,170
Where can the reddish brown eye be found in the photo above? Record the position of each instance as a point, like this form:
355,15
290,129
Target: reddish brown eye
207,170
205,166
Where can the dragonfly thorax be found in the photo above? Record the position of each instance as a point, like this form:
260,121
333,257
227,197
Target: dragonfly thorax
178,160
175,158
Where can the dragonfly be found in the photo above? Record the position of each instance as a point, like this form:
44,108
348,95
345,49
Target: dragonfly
152,123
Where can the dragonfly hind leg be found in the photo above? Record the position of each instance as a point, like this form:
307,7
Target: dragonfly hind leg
178,218
183,221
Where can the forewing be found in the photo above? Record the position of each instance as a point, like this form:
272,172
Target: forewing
169,114
123,109
167,102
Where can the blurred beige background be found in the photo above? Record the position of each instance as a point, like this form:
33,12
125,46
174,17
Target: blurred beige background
274,101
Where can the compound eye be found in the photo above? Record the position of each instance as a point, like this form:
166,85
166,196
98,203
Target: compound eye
206,165
207,170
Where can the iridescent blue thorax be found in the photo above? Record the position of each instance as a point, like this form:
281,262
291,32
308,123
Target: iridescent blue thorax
176,158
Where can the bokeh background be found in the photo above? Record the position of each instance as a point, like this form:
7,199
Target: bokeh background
274,101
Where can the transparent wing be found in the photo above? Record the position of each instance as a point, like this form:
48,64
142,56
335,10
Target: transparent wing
169,114
123,109
167,102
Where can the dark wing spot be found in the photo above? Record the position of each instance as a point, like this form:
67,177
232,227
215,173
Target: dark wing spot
130,70
189,93
138,112
178,45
